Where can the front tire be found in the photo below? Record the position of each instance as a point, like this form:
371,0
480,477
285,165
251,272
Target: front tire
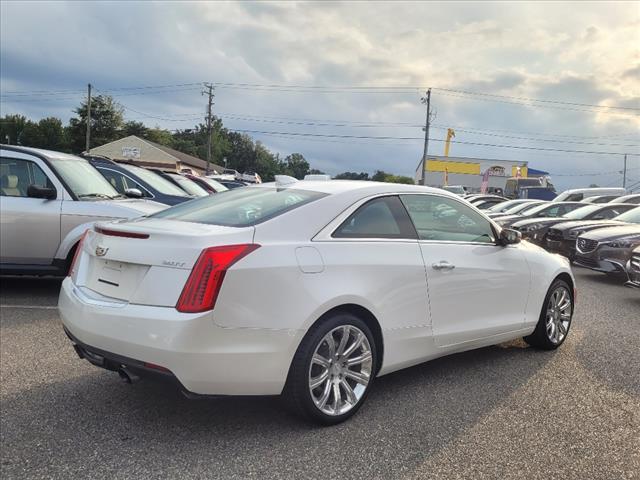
555,318
333,370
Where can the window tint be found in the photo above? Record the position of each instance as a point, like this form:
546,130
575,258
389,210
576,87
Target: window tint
442,218
382,217
240,207
121,182
16,175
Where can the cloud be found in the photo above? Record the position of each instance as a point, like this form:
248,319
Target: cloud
565,51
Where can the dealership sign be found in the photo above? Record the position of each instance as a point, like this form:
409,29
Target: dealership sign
496,171
130,152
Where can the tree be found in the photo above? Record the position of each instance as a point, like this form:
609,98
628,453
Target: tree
379,176
315,171
106,123
296,165
11,128
399,179
352,176
134,128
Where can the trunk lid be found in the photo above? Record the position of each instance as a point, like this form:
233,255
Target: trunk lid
153,267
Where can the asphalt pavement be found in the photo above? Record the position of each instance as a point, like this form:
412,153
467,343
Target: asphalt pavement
501,412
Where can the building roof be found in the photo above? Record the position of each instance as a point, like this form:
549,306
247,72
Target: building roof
148,151
533,171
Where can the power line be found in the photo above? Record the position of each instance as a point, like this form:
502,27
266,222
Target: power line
517,147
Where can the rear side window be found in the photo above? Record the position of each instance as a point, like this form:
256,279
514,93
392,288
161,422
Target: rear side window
241,207
383,217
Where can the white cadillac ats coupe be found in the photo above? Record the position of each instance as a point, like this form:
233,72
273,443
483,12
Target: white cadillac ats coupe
310,289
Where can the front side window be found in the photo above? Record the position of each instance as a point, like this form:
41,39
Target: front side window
445,219
121,182
242,207
16,175
382,217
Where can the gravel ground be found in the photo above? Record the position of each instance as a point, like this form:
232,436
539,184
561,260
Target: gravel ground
501,412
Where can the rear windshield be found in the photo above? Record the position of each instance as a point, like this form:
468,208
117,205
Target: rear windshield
241,207
162,185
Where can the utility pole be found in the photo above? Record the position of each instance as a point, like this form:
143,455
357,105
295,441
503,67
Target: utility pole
624,172
426,101
88,139
209,92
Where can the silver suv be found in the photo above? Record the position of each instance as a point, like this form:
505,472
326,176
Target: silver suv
47,201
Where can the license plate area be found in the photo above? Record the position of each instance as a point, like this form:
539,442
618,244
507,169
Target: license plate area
115,279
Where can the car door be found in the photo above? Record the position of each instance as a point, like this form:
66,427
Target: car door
477,288
29,227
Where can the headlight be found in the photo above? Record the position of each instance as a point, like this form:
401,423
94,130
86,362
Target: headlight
623,243
576,233
531,228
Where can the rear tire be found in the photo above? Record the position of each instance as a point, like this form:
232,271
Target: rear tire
333,370
555,318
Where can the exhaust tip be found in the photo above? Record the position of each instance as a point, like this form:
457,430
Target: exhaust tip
126,376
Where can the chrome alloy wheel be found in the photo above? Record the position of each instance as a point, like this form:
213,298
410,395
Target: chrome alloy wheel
558,315
340,370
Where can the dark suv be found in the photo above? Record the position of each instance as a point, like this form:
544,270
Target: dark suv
126,178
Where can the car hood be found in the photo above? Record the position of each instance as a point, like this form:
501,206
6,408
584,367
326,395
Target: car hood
587,223
612,233
541,220
129,208
507,218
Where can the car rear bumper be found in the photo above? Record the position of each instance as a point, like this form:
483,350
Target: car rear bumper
205,359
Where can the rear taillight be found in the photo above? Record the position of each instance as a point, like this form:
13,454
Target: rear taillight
203,285
76,254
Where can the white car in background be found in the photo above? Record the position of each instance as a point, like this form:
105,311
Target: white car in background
307,288
47,200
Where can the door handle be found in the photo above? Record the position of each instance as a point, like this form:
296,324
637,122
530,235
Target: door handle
443,265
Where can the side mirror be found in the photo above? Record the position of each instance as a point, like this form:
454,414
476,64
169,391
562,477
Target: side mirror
133,193
36,191
509,236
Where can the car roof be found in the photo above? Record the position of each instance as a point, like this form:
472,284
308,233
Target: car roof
50,154
341,186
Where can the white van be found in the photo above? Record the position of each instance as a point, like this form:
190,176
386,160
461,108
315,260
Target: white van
579,194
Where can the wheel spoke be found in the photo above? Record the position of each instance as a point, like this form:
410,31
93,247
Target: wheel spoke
315,382
359,359
355,345
360,377
337,398
331,343
565,316
320,360
343,341
351,396
562,328
322,401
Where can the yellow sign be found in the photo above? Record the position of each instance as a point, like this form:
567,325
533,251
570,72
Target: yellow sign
452,167
523,172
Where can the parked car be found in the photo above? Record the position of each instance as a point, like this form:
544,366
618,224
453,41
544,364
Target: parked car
514,186
457,189
632,198
250,177
539,193
508,204
579,194
517,209
608,249
231,184
339,292
188,186
48,200
544,210
535,229
484,196
125,177
209,184
487,203
562,238
602,199
633,269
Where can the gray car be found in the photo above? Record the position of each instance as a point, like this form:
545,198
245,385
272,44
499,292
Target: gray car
47,200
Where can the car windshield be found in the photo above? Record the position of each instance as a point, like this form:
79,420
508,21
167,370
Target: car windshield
631,216
240,207
84,180
189,186
454,189
504,206
523,208
162,185
580,213
217,186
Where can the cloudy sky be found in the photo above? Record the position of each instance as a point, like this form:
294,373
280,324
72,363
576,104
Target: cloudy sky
483,61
